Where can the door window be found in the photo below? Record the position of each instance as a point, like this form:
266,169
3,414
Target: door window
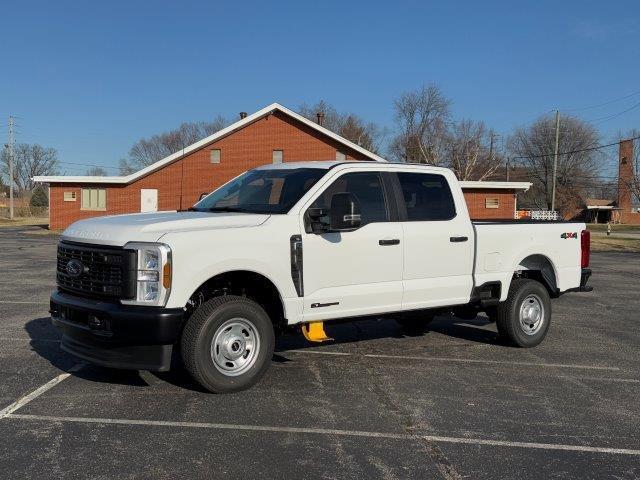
366,187
427,197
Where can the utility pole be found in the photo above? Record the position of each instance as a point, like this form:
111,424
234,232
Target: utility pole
10,151
555,162
506,169
491,136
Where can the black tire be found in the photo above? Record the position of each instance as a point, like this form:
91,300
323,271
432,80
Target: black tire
414,323
206,322
525,333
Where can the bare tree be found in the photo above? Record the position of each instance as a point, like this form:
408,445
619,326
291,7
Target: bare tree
29,161
422,118
469,151
97,172
149,150
348,125
578,168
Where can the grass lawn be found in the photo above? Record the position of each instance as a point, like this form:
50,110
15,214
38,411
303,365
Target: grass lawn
602,227
22,221
612,244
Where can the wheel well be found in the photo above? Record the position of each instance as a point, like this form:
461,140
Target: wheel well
539,268
243,283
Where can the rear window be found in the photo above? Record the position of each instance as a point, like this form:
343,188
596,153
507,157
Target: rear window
427,197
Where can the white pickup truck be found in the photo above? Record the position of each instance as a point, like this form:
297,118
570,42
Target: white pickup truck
302,243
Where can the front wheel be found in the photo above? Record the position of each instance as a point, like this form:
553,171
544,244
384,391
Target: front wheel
524,318
227,344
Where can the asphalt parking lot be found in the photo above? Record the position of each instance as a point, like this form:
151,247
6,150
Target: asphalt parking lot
452,403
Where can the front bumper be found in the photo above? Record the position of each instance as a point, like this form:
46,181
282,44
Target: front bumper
115,335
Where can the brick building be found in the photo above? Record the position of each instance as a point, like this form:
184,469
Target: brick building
629,213
272,134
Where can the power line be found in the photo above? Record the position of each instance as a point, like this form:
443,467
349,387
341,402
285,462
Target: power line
602,104
89,165
598,147
609,117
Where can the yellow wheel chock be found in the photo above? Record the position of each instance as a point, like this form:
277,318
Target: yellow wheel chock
314,332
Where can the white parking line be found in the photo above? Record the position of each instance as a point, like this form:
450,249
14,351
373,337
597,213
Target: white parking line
324,431
494,362
601,379
316,352
459,360
24,303
23,339
5,412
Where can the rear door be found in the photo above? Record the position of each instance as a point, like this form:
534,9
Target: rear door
358,272
438,242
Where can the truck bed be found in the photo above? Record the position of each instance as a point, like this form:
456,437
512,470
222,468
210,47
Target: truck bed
502,247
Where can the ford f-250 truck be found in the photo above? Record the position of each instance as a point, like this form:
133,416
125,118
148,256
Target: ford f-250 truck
302,243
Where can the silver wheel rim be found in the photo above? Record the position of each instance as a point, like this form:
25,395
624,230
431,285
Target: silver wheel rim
235,346
531,314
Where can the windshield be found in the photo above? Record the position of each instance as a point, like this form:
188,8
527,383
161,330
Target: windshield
262,191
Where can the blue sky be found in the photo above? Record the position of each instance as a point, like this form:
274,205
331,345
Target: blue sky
91,78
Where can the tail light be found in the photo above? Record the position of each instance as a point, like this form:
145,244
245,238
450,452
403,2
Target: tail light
585,248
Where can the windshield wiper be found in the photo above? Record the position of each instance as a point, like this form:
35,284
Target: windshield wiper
227,209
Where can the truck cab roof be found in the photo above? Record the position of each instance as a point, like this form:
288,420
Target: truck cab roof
330,164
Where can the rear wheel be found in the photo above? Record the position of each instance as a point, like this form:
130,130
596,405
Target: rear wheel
227,344
524,318
415,323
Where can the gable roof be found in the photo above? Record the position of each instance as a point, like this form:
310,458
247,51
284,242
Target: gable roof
269,109
487,184
598,202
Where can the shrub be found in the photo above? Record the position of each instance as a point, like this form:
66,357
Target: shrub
39,198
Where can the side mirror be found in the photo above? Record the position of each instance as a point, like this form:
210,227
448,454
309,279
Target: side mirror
202,195
344,215
315,223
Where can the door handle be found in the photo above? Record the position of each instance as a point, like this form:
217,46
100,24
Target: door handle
458,239
394,241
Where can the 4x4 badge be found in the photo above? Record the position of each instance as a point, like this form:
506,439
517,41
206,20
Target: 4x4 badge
569,235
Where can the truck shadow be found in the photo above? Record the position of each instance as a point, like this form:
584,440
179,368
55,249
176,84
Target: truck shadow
365,329
45,341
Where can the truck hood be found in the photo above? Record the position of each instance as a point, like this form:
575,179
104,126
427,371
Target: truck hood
116,230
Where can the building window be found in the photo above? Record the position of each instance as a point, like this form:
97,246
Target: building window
94,199
341,157
215,155
69,196
278,156
491,203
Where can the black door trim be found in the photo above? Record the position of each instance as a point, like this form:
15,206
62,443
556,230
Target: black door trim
393,241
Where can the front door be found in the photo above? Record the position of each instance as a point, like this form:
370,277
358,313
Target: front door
148,200
357,272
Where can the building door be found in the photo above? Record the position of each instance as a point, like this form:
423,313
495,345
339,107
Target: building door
148,200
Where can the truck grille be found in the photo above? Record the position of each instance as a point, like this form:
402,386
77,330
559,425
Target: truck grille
97,271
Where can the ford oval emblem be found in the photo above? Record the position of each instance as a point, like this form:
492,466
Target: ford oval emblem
74,268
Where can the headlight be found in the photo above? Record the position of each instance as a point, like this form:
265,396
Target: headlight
153,273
